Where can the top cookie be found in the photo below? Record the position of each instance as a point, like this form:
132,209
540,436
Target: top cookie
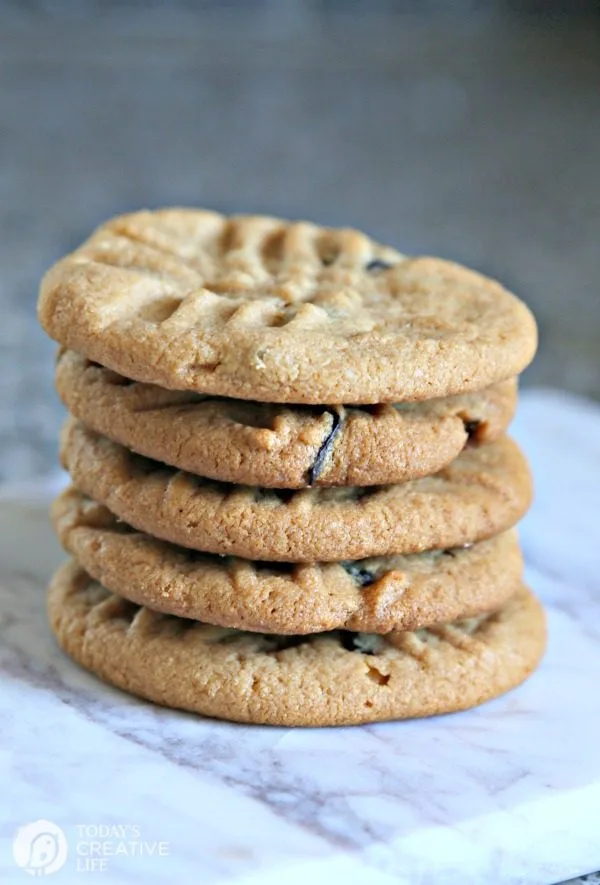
258,308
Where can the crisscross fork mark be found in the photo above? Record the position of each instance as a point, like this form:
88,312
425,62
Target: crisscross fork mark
113,250
294,276
195,246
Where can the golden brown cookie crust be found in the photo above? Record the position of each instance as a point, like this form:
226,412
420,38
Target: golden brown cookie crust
308,681
281,446
483,492
263,309
373,595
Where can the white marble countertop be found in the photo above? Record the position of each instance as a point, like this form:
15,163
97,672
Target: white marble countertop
507,794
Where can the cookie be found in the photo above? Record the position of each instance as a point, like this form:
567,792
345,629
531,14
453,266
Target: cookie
334,678
263,309
277,446
483,492
369,595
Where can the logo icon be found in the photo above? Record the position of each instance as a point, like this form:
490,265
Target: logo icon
40,848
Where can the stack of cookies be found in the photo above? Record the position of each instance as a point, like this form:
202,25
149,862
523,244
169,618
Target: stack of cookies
293,498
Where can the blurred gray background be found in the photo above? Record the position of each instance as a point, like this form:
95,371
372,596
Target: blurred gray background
467,129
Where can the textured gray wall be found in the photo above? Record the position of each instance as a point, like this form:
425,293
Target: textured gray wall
471,130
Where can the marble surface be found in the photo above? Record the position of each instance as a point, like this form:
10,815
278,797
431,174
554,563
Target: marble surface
507,794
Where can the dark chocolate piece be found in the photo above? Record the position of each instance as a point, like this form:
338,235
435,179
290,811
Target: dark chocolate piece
351,642
377,264
471,428
360,575
326,446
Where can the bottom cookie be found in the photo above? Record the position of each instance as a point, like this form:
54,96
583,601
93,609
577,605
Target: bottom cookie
335,678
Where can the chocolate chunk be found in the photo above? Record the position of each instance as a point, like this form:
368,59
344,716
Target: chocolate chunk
353,642
360,575
326,446
472,427
377,264
327,260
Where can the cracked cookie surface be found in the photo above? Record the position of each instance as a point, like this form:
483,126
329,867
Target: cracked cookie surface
483,492
263,309
370,595
334,678
281,446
